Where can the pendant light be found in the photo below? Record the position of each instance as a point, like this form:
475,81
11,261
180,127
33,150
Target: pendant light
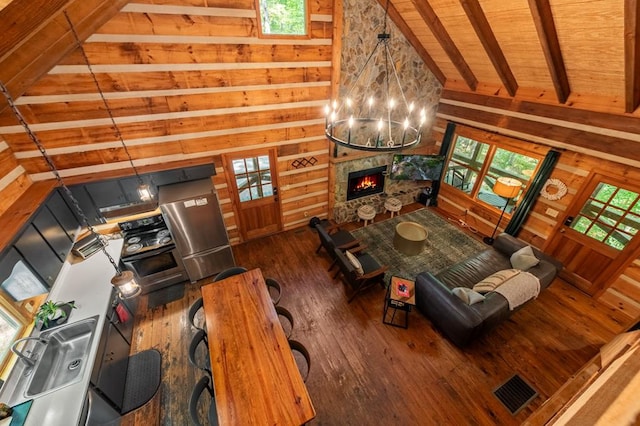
144,190
123,280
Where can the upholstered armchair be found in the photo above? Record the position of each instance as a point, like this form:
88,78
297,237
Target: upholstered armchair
359,269
332,237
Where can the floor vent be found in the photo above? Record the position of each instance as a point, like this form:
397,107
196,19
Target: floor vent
515,394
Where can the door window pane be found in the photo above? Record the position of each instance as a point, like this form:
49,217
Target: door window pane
609,216
253,179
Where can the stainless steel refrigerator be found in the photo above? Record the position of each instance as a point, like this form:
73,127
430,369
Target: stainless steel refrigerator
194,218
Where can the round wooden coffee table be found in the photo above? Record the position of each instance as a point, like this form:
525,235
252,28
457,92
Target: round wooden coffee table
410,238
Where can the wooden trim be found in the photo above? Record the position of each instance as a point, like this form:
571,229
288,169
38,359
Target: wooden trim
632,54
413,40
440,33
488,39
543,20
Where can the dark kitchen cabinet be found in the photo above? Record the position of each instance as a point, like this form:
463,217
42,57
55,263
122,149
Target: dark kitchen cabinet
53,233
39,254
106,193
64,213
26,287
109,373
87,206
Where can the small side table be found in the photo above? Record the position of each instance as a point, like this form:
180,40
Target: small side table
392,205
399,302
366,213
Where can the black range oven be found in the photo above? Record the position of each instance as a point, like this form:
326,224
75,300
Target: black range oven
150,253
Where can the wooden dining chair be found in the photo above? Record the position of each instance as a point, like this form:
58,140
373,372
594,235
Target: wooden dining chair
198,357
302,357
194,400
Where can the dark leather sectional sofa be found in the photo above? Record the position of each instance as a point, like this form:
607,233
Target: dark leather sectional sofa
462,323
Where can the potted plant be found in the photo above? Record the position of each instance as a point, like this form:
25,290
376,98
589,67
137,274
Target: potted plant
55,312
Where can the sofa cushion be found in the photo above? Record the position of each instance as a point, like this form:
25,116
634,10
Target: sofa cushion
524,259
495,280
468,272
467,295
355,262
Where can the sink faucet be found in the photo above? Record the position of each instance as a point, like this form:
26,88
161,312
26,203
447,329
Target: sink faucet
27,359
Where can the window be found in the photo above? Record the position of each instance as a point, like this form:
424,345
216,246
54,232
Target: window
253,177
475,166
611,215
283,17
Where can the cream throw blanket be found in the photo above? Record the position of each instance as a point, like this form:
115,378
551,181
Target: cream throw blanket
519,289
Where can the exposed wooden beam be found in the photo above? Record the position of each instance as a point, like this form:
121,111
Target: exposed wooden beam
488,39
21,19
543,19
413,40
439,32
49,42
632,54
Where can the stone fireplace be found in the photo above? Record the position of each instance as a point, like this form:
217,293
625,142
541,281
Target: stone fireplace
365,182
345,207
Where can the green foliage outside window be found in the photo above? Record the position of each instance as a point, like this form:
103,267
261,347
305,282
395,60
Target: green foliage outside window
286,17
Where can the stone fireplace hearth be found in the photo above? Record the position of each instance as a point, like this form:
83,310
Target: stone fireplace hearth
345,210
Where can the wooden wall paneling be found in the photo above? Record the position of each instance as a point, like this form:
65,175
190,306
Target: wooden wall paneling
621,302
11,192
202,102
156,79
180,25
110,53
615,147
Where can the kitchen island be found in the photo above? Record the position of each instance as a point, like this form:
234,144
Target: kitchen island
88,283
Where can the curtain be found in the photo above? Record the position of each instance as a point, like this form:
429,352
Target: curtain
521,213
444,150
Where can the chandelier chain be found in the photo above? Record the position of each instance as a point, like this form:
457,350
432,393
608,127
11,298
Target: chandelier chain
54,170
104,99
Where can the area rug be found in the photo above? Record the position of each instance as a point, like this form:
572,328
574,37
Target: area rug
445,246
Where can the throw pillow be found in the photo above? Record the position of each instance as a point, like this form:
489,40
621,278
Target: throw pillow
355,262
494,280
524,259
467,295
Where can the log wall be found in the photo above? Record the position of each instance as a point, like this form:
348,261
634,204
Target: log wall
590,142
186,81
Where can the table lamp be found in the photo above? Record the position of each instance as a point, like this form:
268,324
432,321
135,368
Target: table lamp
506,188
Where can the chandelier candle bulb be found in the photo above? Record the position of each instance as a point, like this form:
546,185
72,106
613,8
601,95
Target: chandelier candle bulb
352,123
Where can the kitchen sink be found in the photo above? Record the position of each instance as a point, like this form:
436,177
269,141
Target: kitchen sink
64,358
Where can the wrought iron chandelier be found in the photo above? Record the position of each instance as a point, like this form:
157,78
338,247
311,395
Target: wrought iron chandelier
375,116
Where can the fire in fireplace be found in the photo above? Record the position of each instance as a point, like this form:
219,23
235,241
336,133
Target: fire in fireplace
366,182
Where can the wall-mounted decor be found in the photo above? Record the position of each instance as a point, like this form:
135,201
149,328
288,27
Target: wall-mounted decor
553,189
304,162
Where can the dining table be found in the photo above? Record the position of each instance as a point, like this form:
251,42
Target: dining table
255,375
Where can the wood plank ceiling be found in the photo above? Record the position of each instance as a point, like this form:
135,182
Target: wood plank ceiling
553,51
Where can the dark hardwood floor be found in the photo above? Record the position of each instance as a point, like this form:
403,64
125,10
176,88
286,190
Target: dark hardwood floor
366,373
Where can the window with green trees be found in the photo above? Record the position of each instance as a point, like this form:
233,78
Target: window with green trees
475,166
283,17
611,215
